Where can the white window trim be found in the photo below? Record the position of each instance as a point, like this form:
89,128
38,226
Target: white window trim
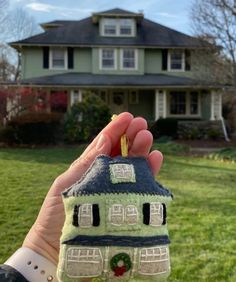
72,96
100,59
135,59
65,59
133,30
187,114
169,61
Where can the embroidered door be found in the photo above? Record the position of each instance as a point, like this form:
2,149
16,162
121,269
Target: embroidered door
84,262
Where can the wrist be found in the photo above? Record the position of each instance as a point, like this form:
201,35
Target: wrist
40,246
33,266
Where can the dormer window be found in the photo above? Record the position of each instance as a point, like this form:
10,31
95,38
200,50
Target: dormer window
117,27
109,26
126,26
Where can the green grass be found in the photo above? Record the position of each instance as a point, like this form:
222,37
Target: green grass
227,154
202,217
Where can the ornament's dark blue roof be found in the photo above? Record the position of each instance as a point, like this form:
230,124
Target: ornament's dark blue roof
97,180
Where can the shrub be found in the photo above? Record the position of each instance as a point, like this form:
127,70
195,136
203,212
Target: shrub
165,127
7,135
36,128
85,119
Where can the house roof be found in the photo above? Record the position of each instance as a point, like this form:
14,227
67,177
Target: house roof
86,33
97,180
96,80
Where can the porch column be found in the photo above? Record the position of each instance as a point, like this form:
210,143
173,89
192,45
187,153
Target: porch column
160,104
75,96
216,105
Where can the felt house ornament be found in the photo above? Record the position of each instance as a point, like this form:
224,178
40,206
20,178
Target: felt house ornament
115,227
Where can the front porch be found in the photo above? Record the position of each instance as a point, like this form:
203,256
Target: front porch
151,103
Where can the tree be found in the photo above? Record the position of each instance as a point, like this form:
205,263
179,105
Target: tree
215,20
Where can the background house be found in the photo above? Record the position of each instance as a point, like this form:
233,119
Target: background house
134,64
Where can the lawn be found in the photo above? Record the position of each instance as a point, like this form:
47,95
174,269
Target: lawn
202,217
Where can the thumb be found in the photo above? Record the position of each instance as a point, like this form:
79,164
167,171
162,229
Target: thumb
81,165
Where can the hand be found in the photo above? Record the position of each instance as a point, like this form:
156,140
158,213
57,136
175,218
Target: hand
45,233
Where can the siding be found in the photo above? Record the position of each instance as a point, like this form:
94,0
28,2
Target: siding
96,63
32,62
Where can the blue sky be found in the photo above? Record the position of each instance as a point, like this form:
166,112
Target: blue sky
172,13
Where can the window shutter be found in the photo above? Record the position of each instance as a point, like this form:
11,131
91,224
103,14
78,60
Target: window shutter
164,214
164,58
146,213
75,221
70,52
187,60
45,57
96,216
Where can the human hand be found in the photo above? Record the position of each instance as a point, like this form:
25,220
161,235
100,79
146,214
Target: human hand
45,233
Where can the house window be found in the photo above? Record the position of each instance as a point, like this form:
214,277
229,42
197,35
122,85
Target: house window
109,27
176,60
128,59
194,103
58,58
116,214
84,262
184,103
108,59
178,103
76,97
156,214
85,215
126,26
131,214
118,27
154,260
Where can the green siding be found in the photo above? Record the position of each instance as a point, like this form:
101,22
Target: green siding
32,62
96,63
153,61
145,107
206,106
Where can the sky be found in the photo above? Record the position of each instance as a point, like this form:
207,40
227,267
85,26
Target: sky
171,13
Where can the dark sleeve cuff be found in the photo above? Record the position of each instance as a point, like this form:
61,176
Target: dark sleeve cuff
9,274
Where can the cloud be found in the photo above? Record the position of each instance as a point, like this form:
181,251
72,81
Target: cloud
167,15
37,6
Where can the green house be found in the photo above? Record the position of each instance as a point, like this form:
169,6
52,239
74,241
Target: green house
134,64
116,226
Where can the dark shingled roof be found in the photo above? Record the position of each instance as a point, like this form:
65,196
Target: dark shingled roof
87,79
86,33
97,179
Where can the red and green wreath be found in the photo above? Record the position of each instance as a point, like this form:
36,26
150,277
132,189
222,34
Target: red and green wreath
120,263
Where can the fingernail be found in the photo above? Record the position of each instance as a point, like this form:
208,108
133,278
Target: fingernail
101,142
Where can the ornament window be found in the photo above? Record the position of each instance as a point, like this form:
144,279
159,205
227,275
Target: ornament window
116,214
131,214
85,215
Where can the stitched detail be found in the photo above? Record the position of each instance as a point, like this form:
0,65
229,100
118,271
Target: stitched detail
75,220
96,215
146,213
164,214
121,172
120,263
156,214
123,216
112,240
85,215
154,261
84,262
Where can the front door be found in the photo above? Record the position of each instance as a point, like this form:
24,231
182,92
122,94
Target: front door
119,102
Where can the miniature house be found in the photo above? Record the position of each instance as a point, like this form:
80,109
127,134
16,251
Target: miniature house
115,227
